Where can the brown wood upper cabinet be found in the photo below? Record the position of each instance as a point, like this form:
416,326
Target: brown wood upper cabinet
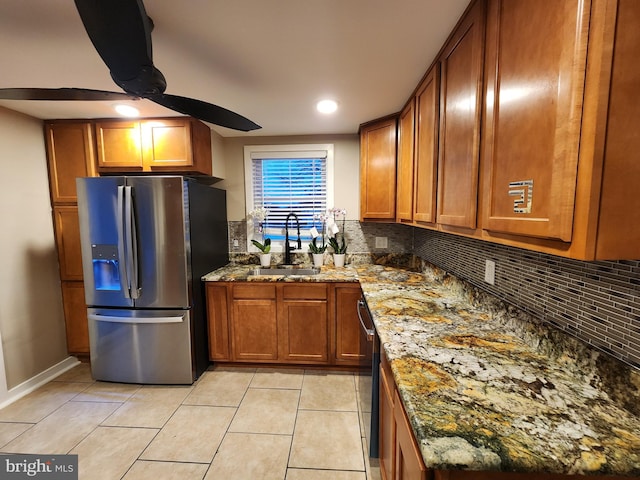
426,148
536,57
180,144
405,168
461,61
70,154
378,170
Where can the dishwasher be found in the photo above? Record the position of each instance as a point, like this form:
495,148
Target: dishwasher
369,377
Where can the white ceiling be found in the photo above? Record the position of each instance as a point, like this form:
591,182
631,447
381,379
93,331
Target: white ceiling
269,60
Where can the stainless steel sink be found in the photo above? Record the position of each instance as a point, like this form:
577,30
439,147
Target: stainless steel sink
285,270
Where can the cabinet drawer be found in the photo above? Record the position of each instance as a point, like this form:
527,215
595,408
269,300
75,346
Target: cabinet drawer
250,290
304,292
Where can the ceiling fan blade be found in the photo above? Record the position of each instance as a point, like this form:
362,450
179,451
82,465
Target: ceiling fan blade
56,94
120,31
205,111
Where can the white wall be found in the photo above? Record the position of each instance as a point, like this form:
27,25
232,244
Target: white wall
346,168
32,328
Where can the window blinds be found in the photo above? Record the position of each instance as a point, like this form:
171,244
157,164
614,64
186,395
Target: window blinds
290,185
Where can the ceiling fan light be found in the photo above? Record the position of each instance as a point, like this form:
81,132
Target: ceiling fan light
127,110
327,106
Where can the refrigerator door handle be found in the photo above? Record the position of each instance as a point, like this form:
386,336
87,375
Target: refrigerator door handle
132,242
122,258
149,320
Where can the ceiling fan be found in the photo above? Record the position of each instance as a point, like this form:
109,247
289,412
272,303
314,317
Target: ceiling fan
120,31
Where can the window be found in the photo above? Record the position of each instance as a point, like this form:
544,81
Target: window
284,179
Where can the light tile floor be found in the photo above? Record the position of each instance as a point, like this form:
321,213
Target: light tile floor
233,423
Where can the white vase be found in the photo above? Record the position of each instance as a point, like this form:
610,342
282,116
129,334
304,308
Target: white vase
265,259
338,259
318,259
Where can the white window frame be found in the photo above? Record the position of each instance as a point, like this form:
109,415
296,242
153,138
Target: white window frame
282,151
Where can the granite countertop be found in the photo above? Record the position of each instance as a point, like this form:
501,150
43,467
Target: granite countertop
485,389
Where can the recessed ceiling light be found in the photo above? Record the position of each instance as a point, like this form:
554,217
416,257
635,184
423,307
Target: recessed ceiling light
327,106
127,111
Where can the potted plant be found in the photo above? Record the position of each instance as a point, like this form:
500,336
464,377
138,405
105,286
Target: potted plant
337,241
317,251
265,248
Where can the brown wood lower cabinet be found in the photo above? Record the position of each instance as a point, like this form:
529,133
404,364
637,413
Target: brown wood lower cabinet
306,323
75,314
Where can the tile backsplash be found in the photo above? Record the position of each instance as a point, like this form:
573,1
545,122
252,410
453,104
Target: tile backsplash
596,302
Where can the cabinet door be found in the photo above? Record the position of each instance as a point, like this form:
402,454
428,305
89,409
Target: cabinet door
119,146
536,60
70,154
460,101
347,326
304,331
254,329
387,427
378,171
408,463
426,148
303,324
68,242
75,316
404,197
218,322
167,144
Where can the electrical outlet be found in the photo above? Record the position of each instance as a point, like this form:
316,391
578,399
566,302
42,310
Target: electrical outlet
490,272
236,243
382,242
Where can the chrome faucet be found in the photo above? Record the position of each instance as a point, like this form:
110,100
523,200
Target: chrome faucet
287,248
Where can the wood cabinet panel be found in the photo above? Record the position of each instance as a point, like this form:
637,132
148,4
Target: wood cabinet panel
179,145
462,63
347,325
253,290
378,170
303,331
70,154
75,316
67,229
426,148
119,145
405,167
408,463
305,291
218,321
254,330
387,435
535,64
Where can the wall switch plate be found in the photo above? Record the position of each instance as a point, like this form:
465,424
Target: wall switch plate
382,242
236,243
490,272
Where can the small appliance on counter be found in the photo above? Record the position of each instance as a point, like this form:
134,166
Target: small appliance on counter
146,242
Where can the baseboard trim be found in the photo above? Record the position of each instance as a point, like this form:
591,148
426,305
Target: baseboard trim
37,381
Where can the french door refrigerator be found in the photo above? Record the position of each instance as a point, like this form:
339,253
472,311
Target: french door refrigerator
146,242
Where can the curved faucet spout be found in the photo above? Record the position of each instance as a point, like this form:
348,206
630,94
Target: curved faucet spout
287,248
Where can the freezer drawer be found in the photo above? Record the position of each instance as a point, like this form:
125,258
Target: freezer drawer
141,346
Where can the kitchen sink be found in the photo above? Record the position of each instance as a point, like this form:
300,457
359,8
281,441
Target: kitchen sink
285,270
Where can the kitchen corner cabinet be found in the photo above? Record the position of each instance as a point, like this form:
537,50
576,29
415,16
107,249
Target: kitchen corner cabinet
378,150
405,167
306,323
162,145
536,57
426,148
67,230
461,63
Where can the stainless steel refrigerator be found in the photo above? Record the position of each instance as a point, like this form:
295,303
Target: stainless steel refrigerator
146,242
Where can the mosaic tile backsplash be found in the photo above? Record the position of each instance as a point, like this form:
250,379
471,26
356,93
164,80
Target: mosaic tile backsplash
596,302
